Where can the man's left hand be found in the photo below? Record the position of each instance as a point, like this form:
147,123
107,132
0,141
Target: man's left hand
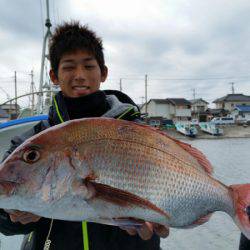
147,229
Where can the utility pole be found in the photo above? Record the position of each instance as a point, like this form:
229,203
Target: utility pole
120,83
15,79
193,93
232,88
32,89
146,95
45,41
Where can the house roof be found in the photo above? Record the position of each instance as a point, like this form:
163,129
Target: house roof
193,101
243,108
160,101
178,101
3,114
216,111
157,101
9,106
173,101
233,98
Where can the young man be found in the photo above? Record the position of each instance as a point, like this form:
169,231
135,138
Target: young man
78,67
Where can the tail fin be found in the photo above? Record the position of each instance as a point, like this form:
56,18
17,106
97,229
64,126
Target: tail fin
241,199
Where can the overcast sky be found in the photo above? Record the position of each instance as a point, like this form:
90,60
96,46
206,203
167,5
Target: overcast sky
180,44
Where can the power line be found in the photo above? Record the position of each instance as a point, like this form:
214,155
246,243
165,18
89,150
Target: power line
184,78
198,79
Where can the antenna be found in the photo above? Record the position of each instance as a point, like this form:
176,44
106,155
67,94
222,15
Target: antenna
146,94
120,83
142,99
232,88
45,42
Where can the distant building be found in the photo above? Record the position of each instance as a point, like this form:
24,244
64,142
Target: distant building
230,101
198,109
168,109
241,113
3,116
158,108
182,109
211,113
10,109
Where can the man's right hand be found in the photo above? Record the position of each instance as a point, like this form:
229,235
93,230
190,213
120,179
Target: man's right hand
22,217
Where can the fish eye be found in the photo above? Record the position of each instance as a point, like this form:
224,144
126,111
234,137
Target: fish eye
31,156
248,211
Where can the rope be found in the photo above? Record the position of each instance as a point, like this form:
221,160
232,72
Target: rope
48,241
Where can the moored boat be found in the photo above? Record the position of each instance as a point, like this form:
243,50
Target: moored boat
210,128
12,128
186,129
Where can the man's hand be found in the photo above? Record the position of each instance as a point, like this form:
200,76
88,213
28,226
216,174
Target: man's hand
22,217
147,229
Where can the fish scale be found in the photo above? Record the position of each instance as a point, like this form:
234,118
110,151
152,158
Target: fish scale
152,161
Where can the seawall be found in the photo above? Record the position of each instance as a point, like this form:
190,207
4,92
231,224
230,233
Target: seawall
230,131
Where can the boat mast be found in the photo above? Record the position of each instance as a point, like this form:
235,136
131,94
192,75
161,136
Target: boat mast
45,42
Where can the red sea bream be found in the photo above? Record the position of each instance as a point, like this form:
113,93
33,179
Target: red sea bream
117,172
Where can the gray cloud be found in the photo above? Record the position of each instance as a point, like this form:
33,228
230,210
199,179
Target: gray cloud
21,18
177,39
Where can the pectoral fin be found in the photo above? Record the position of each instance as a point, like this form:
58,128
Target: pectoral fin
128,222
200,221
122,198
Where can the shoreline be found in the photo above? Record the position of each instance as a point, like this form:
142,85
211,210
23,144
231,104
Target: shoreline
229,131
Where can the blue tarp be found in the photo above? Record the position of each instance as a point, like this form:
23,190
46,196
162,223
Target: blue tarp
23,120
243,108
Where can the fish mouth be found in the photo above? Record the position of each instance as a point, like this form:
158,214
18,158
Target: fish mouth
8,181
7,187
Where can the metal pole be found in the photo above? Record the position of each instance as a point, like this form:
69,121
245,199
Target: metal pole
15,93
45,39
142,100
32,91
194,93
47,5
121,84
146,95
232,83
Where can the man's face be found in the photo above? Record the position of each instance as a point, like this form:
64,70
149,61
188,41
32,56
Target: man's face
79,74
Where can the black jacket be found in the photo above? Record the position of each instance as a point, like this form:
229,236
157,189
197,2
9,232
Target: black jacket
66,235
244,243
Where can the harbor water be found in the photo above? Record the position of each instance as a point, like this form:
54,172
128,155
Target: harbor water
231,161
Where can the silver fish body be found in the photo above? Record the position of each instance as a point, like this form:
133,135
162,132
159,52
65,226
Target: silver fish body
110,171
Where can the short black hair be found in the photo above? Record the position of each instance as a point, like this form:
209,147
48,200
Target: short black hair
71,36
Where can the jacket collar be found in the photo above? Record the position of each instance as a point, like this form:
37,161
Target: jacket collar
58,111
